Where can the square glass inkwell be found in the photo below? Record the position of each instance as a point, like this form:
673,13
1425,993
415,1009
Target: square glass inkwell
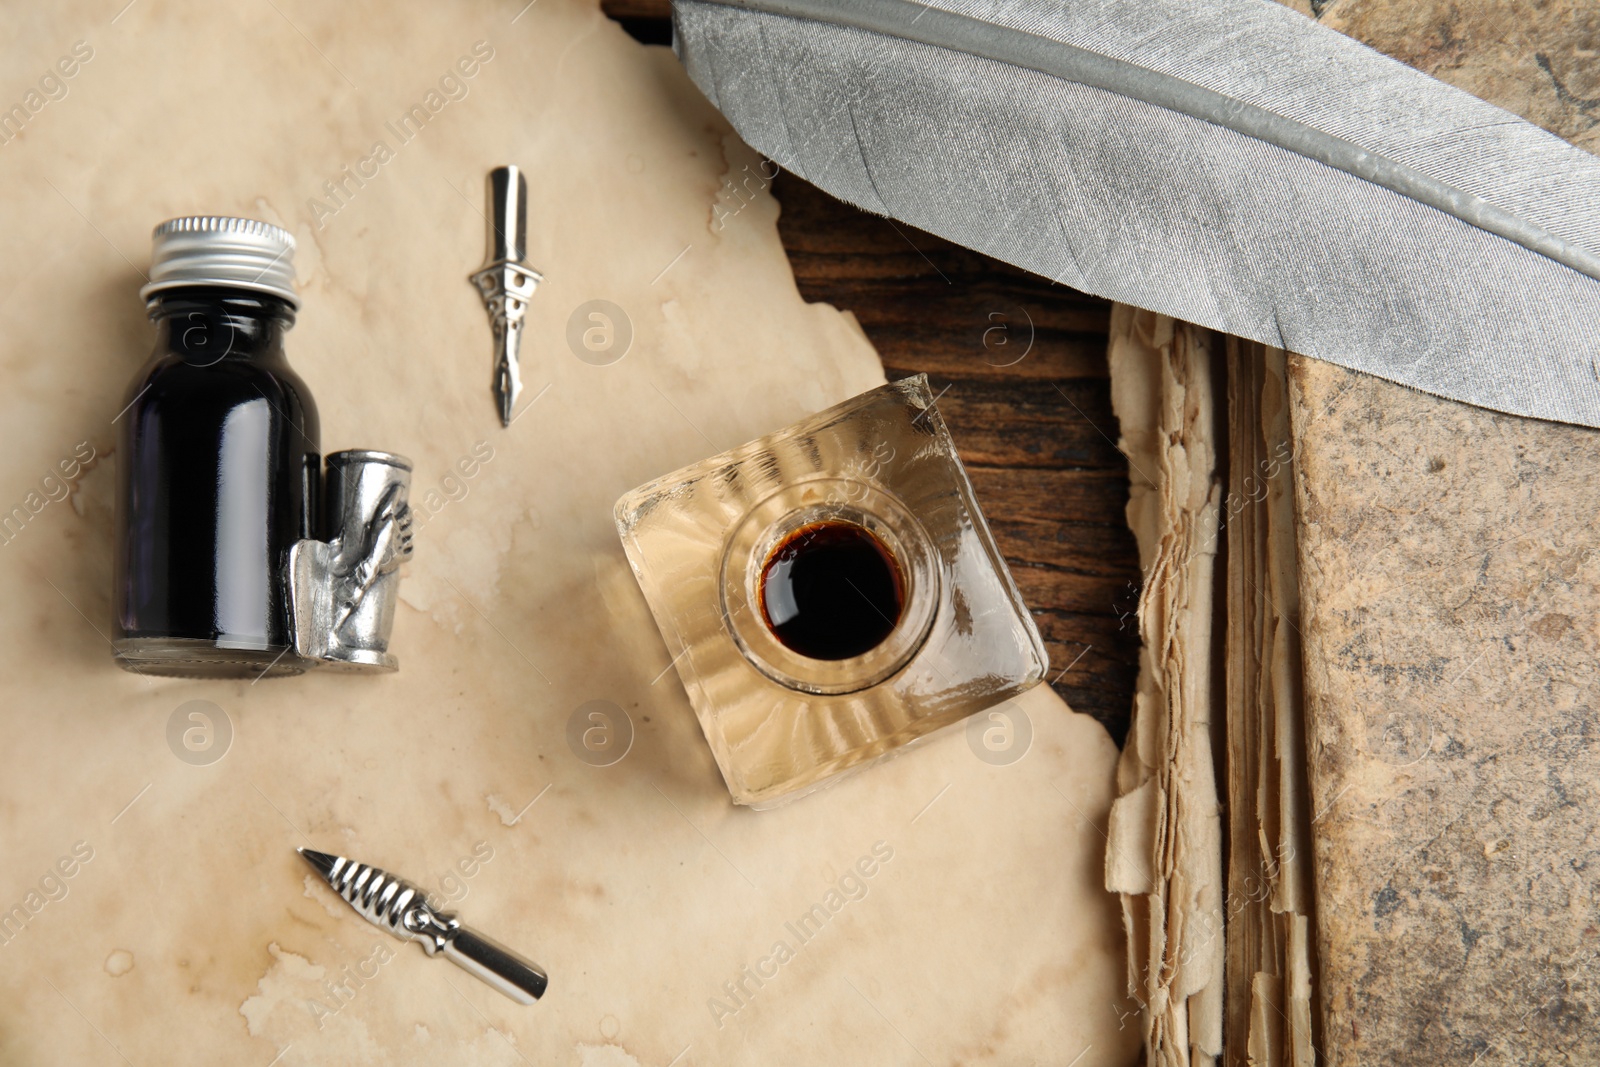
830,592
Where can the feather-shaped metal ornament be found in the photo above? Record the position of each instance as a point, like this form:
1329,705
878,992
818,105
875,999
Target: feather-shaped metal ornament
1232,163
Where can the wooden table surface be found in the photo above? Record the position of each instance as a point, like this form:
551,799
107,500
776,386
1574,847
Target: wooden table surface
1019,366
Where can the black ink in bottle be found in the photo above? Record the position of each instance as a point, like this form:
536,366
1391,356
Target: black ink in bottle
218,461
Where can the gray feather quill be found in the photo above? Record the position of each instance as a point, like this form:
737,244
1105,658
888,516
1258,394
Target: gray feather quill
1232,163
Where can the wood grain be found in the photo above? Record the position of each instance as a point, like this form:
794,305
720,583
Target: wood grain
1019,365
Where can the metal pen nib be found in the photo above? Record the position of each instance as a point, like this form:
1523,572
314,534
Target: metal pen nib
505,282
397,906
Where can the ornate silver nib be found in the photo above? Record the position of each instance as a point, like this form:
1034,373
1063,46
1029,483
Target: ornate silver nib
395,905
505,282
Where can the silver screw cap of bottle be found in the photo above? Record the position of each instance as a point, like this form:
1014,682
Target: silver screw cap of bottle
219,250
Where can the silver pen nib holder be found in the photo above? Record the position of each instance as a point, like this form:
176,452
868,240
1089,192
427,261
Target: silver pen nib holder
342,590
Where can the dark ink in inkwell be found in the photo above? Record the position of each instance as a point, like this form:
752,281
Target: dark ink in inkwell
831,590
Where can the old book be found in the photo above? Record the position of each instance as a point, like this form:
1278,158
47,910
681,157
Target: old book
1218,923
1449,580
1449,586
1269,885
1405,626
1164,856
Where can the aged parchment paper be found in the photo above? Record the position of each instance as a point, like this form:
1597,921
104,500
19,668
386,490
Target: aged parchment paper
1270,1013
1165,852
187,930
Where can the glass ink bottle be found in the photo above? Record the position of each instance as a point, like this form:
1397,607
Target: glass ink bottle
219,465
830,593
